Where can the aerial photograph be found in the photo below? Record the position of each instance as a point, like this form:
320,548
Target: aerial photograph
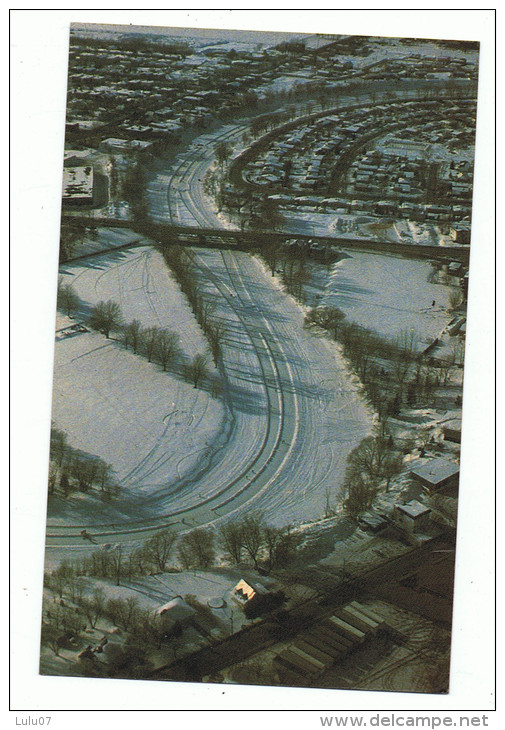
258,359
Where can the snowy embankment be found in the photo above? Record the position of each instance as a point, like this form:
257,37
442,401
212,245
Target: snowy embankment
387,294
151,426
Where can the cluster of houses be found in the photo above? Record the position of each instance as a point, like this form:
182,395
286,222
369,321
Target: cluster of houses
160,91
128,99
434,477
410,165
418,67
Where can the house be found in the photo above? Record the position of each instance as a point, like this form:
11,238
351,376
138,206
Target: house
176,610
461,232
413,516
436,474
452,430
245,592
78,185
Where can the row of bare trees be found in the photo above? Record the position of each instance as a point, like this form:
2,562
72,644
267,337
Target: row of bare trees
159,553
67,300
157,344
395,372
72,470
252,538
370,466
204,310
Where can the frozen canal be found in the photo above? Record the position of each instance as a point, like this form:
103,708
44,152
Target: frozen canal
293,412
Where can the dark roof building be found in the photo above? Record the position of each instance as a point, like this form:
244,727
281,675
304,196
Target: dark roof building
437,474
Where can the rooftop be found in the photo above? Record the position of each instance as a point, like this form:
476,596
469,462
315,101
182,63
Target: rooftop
436,470
414,509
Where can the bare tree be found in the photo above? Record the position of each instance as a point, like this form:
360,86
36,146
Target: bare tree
105,317
65,485
123,612
158,548
391,468
222,152
67,299
328,318
231,535
104,475
58,446
150,340
252,529
84,470
280,544
133,335
52,477
167,347
271,254
116,558
93,608
215,333
406,343
360,493
196,548
197,369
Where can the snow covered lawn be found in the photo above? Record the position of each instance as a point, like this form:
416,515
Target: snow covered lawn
387,294
150,425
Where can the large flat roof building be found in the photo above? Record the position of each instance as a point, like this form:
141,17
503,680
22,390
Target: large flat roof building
78,185
437,473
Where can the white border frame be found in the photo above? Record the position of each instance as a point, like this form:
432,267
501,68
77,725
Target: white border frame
39,43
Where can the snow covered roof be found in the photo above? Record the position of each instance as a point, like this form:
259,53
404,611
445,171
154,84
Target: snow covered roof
413,509
246,591
436,471
78,182
177,608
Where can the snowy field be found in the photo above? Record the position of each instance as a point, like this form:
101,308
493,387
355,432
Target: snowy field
150,425
385,293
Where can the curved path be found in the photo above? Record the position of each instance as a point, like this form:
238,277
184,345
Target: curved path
296,412
296,416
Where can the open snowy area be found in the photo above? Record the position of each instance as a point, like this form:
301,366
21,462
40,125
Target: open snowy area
150,425
384,293
293,411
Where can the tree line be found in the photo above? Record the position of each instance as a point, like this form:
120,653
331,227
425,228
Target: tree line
181,265
370,466
72,470
249,540
394,372
157,344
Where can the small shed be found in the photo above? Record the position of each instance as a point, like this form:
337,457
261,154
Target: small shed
413,516
452,430
245,592
176,610
436,474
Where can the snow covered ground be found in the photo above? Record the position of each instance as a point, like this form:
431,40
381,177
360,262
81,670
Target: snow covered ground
384,293
105,239
150,425
295,411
